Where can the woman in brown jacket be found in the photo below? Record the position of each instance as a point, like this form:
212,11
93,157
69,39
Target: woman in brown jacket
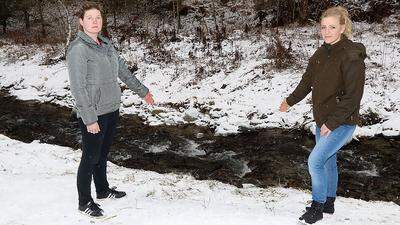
335,75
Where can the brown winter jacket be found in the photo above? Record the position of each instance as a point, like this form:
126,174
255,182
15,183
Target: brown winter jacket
335,74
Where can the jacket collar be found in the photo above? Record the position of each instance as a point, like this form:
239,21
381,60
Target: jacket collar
90,41
343,39
337,45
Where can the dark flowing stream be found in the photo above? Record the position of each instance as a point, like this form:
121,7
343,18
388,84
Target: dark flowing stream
369,168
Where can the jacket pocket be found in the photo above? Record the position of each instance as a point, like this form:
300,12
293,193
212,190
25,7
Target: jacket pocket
110,95
97,98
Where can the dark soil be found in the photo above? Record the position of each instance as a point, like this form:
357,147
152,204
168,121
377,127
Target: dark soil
369,168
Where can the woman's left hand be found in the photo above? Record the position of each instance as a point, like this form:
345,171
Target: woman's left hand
325,130
149,99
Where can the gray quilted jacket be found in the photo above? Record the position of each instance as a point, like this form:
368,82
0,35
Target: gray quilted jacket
93,71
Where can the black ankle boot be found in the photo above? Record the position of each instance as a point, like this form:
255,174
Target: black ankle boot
329,206
314,213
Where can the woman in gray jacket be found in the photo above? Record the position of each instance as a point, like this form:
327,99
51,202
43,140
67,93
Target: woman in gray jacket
94,67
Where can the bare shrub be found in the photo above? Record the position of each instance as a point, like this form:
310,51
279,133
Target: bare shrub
283,57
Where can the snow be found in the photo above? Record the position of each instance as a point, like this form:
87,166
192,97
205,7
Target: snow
39,187
236,87
228,89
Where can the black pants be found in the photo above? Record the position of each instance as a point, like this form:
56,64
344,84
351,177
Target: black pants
95,148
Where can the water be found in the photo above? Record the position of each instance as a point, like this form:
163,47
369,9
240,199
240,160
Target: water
369,168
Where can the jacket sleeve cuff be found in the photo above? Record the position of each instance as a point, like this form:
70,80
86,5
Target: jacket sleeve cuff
331,125
88,117
143,92
290,100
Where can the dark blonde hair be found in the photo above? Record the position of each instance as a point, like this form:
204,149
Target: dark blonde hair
344,18
85,7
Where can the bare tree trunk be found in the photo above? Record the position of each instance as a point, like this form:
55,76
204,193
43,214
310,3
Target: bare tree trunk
106,11
176,5
67,26
105,30
26,19
178,14
174,13
218,33
214,14
205,23
4,23
41,19
115,19
115,13
303,10
4,15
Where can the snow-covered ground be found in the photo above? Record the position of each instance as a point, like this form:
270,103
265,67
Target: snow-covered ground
236,87
38,186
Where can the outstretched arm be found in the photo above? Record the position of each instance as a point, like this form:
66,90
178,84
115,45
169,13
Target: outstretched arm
130,79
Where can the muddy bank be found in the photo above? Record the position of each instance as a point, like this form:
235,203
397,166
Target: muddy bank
369,168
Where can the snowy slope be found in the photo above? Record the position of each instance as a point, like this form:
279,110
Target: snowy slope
228,89
38,187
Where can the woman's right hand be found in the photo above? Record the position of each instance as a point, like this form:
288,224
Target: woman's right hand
93,128
284,106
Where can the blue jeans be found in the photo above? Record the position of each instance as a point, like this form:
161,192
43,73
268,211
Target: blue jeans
322,161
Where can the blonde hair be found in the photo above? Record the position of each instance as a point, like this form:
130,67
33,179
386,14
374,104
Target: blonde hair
344,18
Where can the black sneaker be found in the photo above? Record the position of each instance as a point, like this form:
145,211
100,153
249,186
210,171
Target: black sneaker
111,193
92,209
